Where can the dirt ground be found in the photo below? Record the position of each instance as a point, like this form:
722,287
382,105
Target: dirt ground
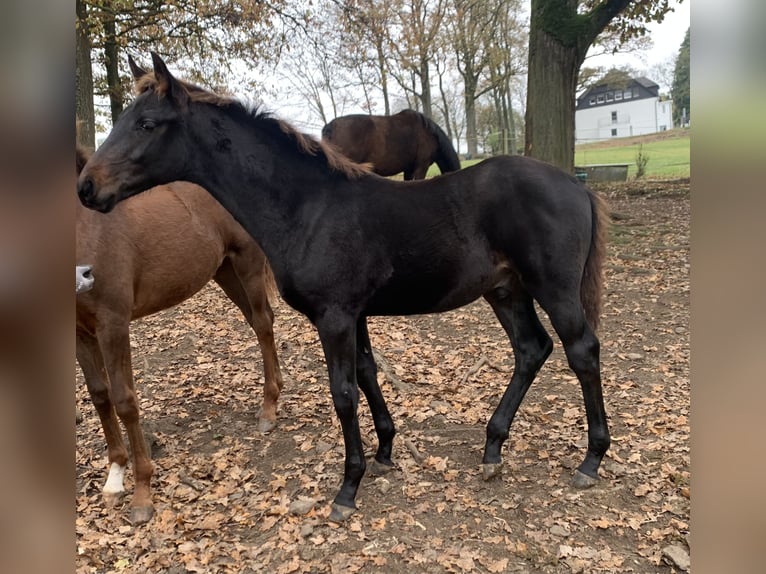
223,492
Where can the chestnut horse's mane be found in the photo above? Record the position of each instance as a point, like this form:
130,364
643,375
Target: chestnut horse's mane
306,144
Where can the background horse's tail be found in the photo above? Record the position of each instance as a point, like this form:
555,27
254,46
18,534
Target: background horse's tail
592,286
446,156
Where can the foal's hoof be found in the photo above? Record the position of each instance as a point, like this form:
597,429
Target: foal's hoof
265,425
112,499
492,470
377,468
581,480
141,514
340,513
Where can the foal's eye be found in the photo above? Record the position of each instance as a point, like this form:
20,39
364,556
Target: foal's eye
147,124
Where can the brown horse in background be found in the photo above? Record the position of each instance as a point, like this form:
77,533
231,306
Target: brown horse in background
406,142
149,255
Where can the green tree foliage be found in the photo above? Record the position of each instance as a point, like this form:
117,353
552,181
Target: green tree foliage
680,90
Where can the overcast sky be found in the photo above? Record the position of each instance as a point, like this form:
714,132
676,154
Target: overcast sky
667,37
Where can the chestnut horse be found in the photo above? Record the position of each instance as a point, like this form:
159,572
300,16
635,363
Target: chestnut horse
406,142
146,256
345,244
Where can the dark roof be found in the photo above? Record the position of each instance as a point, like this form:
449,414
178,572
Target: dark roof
646,89
646,82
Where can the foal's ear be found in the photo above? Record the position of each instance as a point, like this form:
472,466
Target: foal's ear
166,83
137,71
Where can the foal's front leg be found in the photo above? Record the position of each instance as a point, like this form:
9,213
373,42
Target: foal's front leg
115,348
337,332
92,365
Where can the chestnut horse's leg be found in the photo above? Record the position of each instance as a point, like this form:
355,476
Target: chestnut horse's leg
367,378
337,332
531,347
243,279
114,341
92,365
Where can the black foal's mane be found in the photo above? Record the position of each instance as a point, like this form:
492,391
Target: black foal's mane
306,144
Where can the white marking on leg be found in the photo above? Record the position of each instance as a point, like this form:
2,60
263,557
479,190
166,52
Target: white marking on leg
114,483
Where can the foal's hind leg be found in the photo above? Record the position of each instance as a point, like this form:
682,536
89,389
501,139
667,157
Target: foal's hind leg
582,350
243,279
531,347
92,365
367,379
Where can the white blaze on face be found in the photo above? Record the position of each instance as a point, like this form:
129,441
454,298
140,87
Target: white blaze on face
114,482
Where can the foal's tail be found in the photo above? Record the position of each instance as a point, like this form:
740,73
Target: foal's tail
446,156
592,286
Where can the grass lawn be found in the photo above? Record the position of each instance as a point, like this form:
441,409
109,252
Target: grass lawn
668,152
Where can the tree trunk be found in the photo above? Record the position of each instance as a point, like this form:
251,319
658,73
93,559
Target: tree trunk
552,78
510,121
559,38
84,79
112,63
382,69
445,104
425,87
471,138
470,83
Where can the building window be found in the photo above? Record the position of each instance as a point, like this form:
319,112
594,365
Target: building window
600,98
627,94
618,95
614,131
663,128
614,117
591,101
610,96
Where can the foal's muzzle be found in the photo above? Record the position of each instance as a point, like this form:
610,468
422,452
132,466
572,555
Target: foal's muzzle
86,191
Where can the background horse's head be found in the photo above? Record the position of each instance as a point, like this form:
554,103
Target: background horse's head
142,144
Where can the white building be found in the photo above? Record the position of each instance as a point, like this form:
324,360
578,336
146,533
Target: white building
630,109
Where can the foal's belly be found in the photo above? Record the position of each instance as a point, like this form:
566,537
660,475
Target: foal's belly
434,292
169,281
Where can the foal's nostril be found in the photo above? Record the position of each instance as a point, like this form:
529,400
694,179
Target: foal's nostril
86,190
